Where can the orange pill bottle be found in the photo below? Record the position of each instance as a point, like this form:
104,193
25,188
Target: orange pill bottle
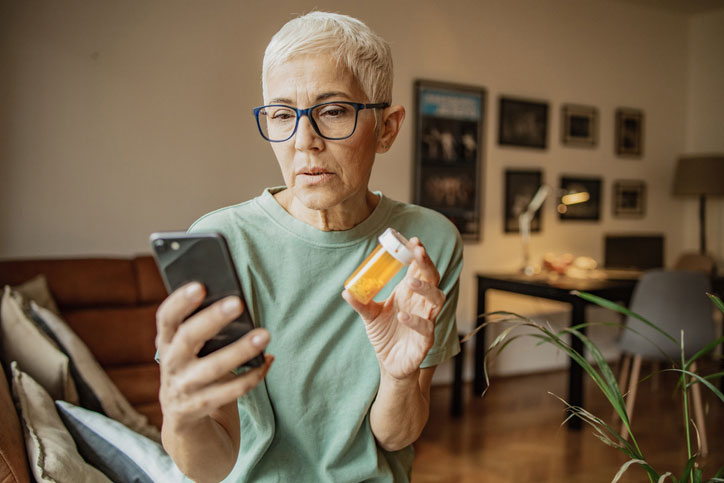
392,253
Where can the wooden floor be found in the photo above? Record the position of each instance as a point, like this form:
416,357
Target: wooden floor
514,434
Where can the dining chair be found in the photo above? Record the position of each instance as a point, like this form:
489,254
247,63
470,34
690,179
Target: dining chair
673,301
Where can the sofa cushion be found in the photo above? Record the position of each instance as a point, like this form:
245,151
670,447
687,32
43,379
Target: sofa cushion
120,453
13,463
35,352
116,336
96,390
148,280
51,451
140,384
87,282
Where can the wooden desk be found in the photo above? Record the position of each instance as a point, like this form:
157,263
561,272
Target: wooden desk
553,289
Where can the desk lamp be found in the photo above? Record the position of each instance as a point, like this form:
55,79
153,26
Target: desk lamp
567,198
524,220
702,176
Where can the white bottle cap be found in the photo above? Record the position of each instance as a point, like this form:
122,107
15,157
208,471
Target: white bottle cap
396,245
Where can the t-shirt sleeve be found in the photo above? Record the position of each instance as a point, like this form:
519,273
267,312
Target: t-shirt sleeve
447,343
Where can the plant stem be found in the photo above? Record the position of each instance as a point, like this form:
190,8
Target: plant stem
685,391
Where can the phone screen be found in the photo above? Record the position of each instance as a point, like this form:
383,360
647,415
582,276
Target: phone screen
203,257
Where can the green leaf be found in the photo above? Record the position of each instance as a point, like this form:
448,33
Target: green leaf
625,467
688,467
708,348
701,379
717,301
621,309
716,375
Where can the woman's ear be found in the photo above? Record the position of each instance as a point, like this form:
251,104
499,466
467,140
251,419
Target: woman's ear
392,119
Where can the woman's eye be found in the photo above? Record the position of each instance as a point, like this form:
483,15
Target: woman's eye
282,115
334,111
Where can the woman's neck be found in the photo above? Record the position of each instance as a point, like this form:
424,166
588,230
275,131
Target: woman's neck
343,216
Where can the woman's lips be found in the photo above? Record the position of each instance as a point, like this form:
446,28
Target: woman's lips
315,176
318,177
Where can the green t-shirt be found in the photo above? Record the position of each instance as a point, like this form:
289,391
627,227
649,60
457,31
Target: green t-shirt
308,421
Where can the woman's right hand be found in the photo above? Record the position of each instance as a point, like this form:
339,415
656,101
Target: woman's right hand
192,388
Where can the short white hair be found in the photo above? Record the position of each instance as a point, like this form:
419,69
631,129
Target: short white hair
346,40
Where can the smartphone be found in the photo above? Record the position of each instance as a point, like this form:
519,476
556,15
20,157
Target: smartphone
205,258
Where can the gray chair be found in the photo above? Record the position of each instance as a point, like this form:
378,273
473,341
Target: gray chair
673,300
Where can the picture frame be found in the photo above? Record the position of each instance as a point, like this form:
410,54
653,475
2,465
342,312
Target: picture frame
629,198
522,123
579,198
449,147
520,187
629,132
579,125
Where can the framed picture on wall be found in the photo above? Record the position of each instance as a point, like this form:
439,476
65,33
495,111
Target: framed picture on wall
580,198
523,123
580,125
520,187
629,198
629,132
449,147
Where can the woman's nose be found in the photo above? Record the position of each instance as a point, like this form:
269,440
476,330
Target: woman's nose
306,137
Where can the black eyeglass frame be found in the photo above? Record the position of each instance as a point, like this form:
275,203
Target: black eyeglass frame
307,112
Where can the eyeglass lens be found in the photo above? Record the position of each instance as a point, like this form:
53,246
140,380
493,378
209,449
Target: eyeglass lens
332,121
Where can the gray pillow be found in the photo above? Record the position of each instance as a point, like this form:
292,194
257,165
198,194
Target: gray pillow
123,455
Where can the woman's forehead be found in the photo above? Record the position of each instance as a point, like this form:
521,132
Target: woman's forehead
311,79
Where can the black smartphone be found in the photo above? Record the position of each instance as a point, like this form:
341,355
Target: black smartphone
205,258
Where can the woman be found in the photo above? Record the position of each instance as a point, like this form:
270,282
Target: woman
347,397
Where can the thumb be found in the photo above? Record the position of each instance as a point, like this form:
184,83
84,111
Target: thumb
366,311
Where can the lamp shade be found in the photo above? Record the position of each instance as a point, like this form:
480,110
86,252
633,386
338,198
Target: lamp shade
700,175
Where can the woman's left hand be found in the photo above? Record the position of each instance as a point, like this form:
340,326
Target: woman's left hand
402,329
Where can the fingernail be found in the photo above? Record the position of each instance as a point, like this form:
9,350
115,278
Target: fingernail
260,339
404,316
193,290
415,283
230,306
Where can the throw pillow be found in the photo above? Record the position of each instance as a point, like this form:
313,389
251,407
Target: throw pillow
13,465
122,454
36,354
96,390
37,289
51,451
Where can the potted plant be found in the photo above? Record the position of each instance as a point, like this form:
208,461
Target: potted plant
601,374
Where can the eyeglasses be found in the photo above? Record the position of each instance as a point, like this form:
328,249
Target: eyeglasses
331,120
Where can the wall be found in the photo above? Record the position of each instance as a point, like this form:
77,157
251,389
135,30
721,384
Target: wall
704,125
118,119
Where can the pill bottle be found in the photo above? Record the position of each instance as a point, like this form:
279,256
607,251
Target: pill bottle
392,253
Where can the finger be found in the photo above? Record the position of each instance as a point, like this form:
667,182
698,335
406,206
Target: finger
202,326
368,311
174,309
422,326
211,368
431,293
426,268
221,393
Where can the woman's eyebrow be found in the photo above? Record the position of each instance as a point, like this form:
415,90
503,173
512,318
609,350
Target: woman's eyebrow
327,95
280,100
321,97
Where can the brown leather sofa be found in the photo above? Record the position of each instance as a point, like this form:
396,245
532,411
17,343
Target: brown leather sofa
111,304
